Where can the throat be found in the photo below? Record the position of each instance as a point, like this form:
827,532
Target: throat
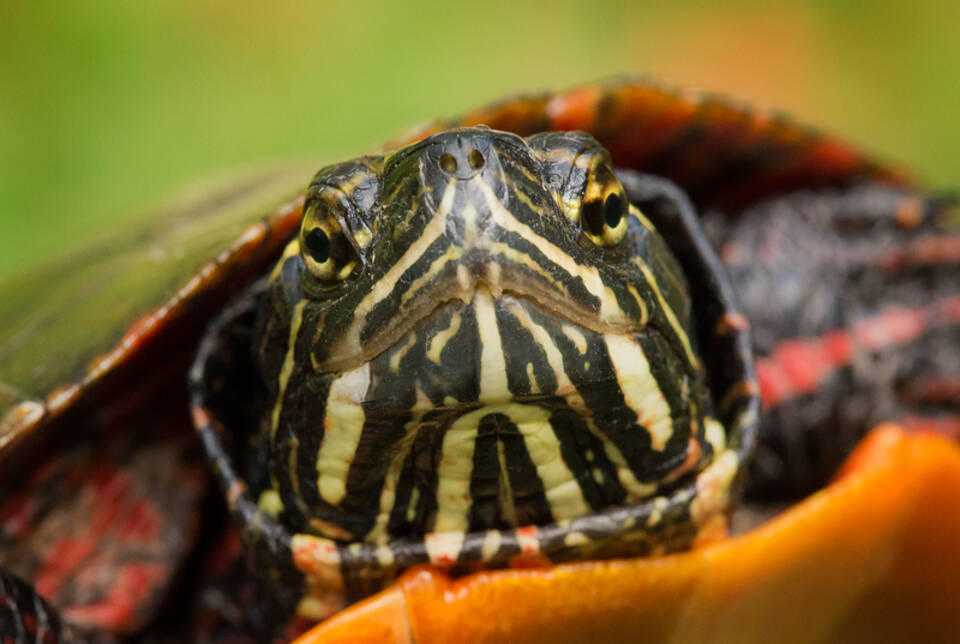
492,415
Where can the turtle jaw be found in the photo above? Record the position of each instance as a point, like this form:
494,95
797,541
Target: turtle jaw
586,302
465,351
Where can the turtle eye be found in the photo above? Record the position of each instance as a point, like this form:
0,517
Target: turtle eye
579,173
604,210
317,244
324,246
613,211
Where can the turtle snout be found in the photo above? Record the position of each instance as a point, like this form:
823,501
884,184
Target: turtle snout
462,155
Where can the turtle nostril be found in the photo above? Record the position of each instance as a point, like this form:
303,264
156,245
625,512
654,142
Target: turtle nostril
448,163
475,158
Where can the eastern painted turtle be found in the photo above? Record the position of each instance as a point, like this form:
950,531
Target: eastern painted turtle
479,350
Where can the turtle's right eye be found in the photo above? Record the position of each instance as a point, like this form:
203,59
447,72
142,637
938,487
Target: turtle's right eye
324,246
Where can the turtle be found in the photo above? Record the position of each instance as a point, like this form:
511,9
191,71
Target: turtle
532,348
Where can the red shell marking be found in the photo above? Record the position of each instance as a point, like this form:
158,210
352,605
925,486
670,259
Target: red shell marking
101,525
724,154
800,366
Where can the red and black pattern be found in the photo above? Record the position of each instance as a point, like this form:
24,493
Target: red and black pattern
854,302
722,153
101,525
27,617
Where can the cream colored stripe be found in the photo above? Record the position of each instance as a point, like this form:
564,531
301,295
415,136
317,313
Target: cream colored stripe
388,495
293,248
559,484
671,316
444,548
507,508
610,311
491,544
454,472
493,366
401,352
532,378
343,426
715,434
565,388
640,389
636,212
296,319
459,441
412,505
434,228
576,336
440,340
542,337
452,254
510,253
468,215
636,490
641,304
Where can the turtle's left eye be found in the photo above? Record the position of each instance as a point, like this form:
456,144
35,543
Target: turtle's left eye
579,173
324,246
604,210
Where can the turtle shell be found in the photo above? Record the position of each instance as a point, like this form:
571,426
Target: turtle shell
110,325
100,488
73,332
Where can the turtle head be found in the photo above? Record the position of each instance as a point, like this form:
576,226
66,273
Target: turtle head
388,243
474,332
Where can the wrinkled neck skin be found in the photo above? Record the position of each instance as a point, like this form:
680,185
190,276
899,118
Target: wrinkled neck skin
486,364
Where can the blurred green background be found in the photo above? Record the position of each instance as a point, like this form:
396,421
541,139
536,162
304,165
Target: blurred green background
106,105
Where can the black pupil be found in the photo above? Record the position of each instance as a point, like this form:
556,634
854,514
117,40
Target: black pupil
318,245
613,210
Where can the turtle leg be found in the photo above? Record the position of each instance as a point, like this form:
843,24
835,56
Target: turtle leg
26,617
854,305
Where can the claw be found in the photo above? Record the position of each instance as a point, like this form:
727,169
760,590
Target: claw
873,556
